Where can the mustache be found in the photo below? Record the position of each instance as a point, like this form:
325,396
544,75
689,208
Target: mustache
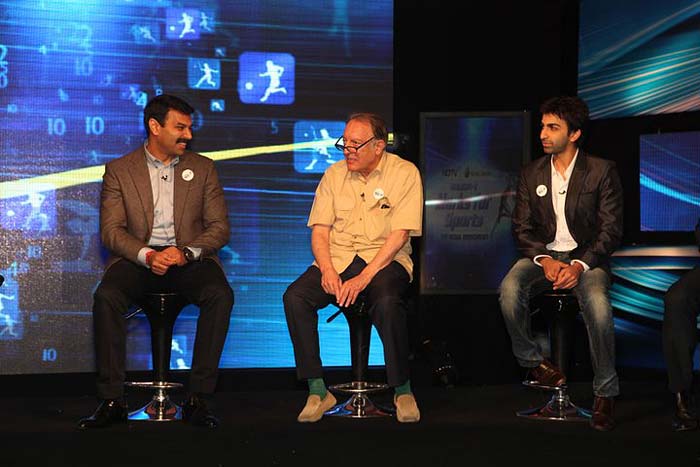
183,140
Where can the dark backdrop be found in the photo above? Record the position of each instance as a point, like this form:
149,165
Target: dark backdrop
478,56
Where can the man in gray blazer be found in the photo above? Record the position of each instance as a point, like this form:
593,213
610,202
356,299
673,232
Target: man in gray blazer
163,217
567,222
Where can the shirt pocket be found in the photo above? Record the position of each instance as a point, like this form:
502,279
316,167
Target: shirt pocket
378,225
343,208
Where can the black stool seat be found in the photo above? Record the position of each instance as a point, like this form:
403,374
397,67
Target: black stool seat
359,405
561,337
161,309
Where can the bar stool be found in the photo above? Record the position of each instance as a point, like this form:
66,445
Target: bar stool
561,338
161,309
359,405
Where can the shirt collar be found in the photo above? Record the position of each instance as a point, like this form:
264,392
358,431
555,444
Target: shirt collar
151,159
569,169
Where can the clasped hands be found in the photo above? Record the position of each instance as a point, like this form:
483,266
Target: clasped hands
161,261
562,275
345,292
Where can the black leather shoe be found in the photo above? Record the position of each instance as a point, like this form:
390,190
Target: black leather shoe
109,411
196,412
603,418
684,416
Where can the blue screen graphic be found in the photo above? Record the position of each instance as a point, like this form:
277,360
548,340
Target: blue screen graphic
272,83
669,181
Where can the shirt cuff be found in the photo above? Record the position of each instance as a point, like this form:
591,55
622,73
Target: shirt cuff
585,266
537,259
142,256
197,252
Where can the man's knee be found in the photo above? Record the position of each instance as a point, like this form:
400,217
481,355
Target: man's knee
107,294
292,296
509,292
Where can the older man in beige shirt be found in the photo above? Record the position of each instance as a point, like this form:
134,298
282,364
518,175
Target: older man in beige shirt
366,208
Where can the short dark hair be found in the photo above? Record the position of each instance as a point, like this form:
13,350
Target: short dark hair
573,110
375,121
159,106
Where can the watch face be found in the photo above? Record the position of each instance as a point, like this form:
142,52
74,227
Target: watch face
189,254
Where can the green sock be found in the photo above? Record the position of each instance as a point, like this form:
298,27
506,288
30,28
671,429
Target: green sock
405,388
317,386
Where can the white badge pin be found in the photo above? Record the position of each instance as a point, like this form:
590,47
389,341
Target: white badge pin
187,175
378,193
541,190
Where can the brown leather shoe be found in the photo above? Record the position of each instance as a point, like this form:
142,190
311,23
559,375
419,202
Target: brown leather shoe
602,419
684,417
547,374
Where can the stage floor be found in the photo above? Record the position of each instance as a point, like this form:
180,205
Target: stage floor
461,426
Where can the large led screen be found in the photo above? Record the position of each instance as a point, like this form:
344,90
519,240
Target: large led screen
639,57
669,181
272,83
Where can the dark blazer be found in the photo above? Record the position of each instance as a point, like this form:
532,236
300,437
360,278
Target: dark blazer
126,208
593,209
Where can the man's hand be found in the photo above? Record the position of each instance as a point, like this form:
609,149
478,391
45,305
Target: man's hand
352,288
331,282
551,268
568,277
162,260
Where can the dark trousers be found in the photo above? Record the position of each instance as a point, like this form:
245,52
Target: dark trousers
681,308
124,284
384,300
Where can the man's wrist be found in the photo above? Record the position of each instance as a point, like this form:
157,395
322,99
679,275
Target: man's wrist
189,254
149,257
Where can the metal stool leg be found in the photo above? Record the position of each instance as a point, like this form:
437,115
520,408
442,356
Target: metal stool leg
162,311
559,408
359,405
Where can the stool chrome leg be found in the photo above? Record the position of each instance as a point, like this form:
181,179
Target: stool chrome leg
359,405
559,408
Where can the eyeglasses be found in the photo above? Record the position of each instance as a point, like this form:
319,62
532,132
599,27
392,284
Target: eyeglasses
351,149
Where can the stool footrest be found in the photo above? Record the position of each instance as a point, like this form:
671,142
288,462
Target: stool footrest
153,384
359,387
546,387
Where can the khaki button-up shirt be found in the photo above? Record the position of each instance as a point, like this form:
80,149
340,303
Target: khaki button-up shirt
363,211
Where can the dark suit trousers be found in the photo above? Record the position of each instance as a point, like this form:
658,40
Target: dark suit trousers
384,299
124,283
681,308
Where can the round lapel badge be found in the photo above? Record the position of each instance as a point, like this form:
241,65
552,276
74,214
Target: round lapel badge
187,175
541,190
378,193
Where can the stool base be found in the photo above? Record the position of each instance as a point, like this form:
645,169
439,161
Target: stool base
559,408
160,408
360,406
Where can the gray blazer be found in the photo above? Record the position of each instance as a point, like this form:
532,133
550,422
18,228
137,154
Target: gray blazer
126,207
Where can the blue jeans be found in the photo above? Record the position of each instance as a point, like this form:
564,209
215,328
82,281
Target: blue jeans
525,280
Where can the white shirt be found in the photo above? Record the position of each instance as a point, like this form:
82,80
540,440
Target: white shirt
563,241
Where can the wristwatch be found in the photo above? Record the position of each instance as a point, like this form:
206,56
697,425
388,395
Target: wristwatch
189,254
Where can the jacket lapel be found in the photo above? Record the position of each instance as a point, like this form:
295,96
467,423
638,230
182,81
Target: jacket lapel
544,177
142,184
578,176
182,189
